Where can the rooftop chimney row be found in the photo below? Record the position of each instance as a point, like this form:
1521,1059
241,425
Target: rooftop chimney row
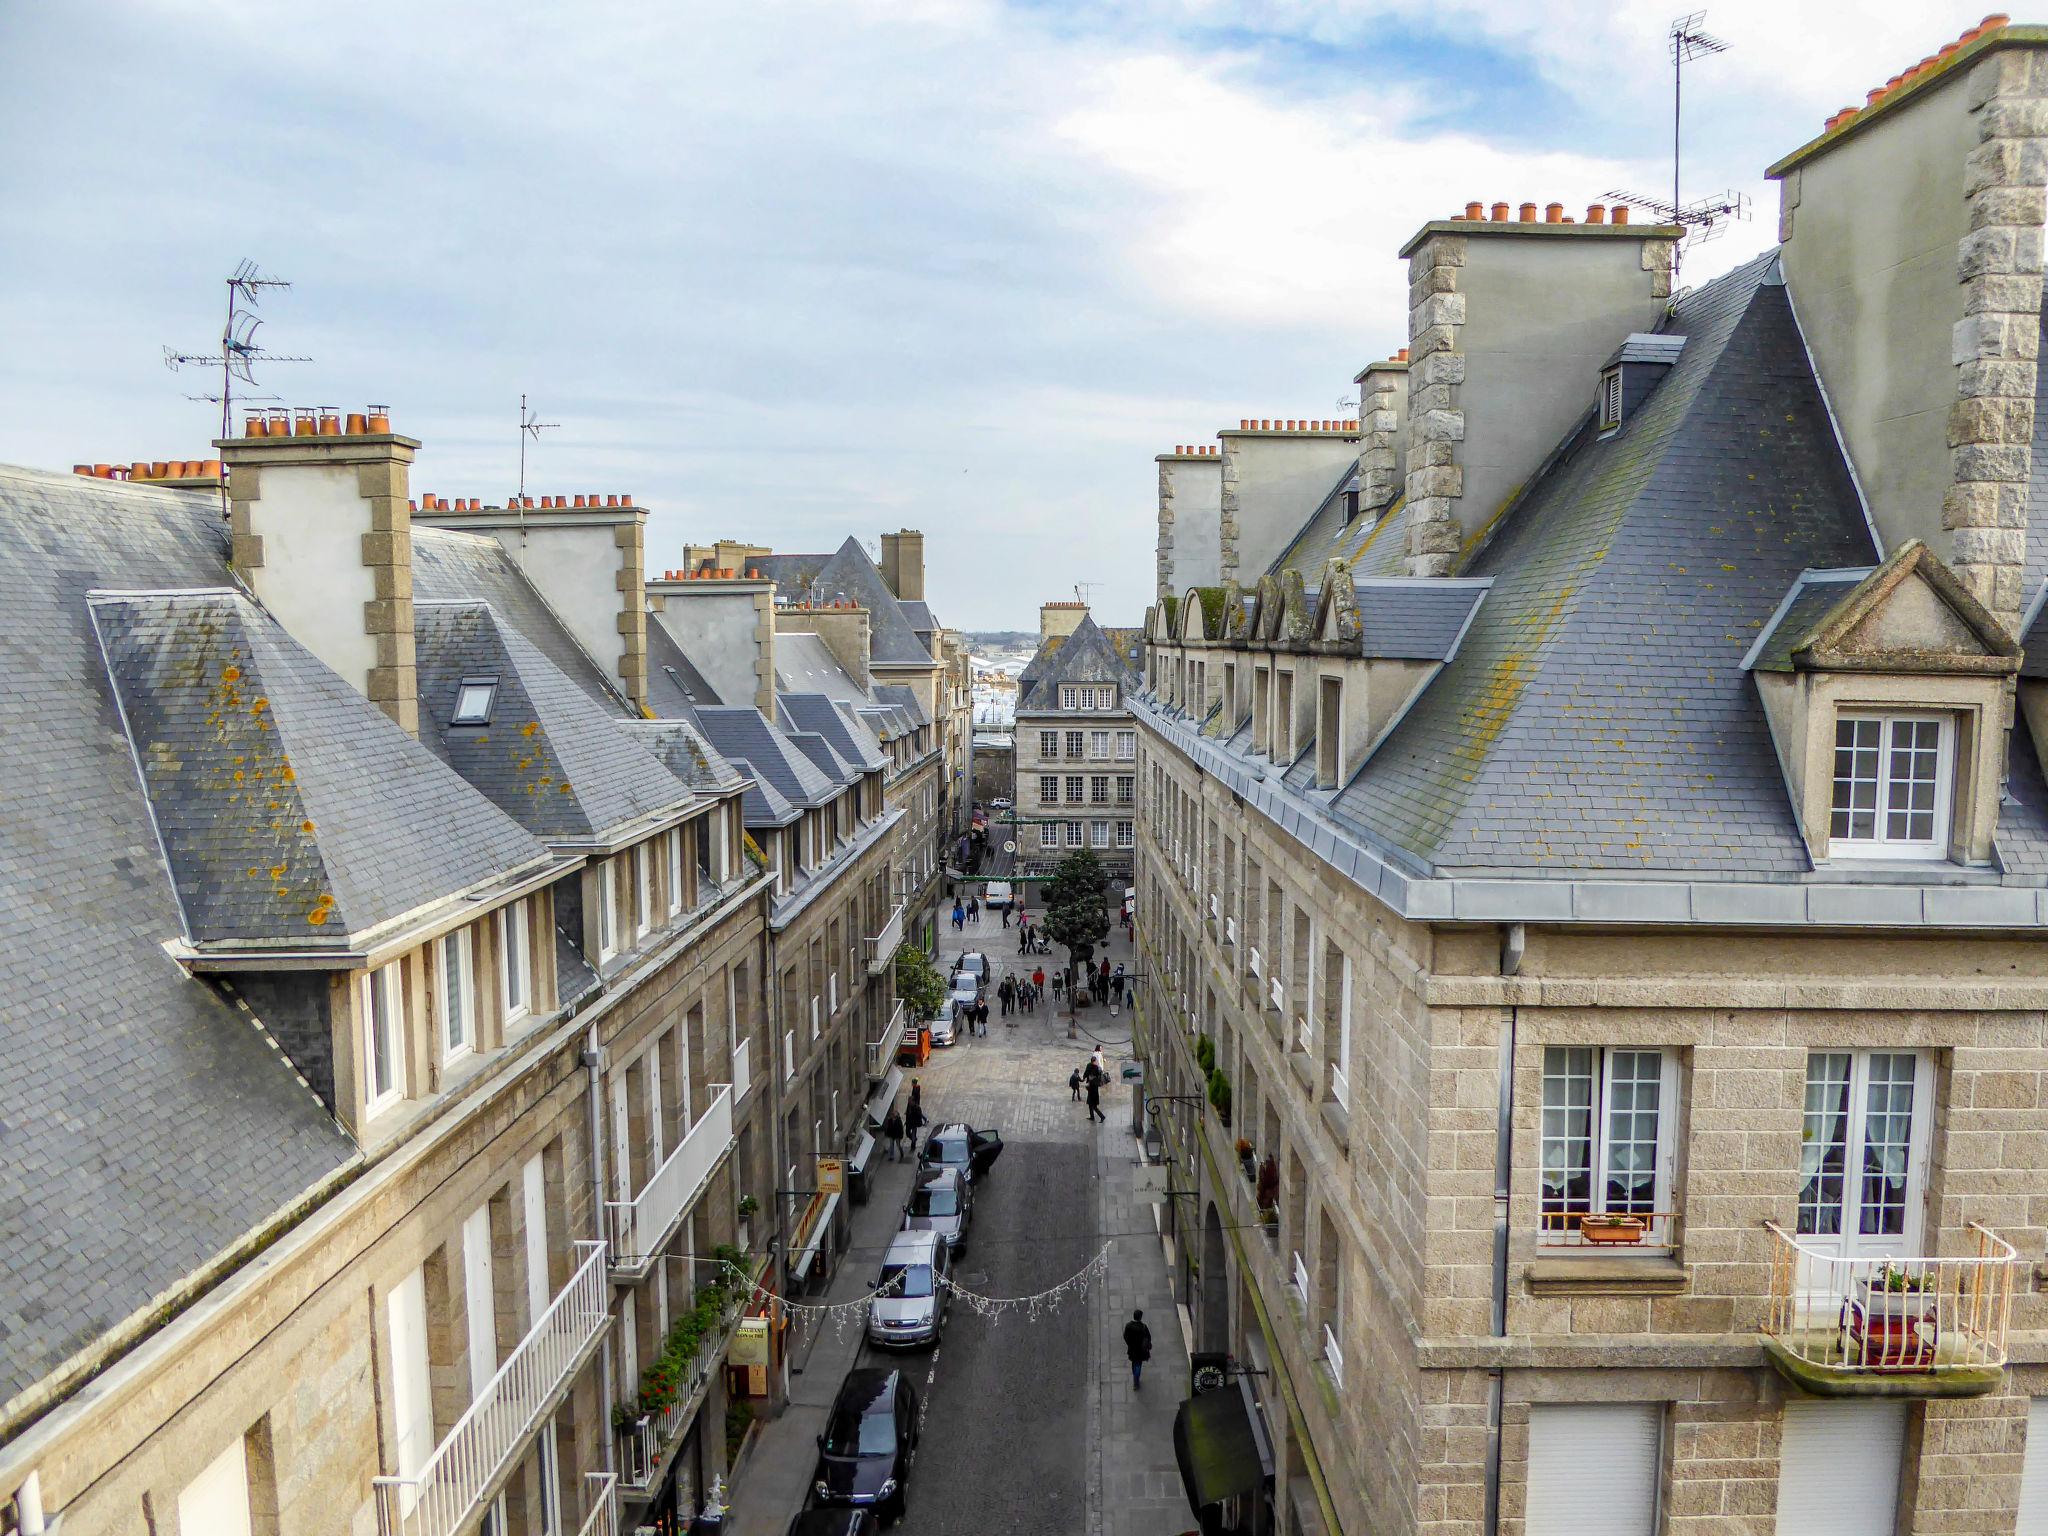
1553,213
157,469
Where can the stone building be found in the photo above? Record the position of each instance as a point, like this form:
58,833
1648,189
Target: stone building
1592,880
1074,757
389,1067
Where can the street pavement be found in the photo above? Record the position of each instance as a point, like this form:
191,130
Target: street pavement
1030,1424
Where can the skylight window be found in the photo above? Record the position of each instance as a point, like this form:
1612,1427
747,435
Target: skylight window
473,700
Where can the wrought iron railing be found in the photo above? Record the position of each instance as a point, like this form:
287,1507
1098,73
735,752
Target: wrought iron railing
1603,1229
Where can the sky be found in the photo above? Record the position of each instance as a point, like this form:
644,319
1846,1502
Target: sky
787,271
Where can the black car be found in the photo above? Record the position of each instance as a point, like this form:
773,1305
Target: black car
848,1521
864,1454
962,1147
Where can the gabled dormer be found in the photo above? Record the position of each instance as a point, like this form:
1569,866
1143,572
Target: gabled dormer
1887,695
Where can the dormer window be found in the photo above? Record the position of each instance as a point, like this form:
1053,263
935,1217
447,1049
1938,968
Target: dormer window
1610,400
474,697
1894,777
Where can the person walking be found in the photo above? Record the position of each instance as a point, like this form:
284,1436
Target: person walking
1138,1345
892,1132
1074,1085
913,1122
981,1019
974,910
1102,982
1116,985
1006,995
1038,977
1095,1100
1023,940
959,916
1006,914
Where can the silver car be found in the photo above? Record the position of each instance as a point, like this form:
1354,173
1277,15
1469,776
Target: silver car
911,1308
940,1201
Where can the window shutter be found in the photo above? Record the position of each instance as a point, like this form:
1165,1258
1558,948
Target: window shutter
1610,399
1618,1443
2033,1519
1838,1468
217,1500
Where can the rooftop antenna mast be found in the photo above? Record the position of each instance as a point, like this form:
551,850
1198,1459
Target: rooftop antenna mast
1706,217
1082,589
530,426
239,350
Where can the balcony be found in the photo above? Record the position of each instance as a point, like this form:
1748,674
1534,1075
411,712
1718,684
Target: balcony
882,1050
469,1465
640,1227
602,1490
1890,1327
882,947
742,1070
650,1442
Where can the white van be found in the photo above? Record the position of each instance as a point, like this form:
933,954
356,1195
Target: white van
912,1309
997,894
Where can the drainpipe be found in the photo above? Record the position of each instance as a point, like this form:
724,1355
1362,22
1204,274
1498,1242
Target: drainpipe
1514,945
593,1086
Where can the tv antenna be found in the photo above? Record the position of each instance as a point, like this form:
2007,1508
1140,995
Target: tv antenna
239,350
1082,589
530,426
1706,217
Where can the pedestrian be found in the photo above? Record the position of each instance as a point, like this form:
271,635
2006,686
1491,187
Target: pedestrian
1074,1085
913,1122
1059,986
1038,976
1006,994
974,910
1006,914
1116,985
959,916
1096,1071
1102,982
892,1130
981,1019
1095,1100
1023,941
1138,1345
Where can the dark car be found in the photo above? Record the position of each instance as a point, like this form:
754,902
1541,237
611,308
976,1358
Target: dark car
940,1201
962,1148
841,1521
864,1454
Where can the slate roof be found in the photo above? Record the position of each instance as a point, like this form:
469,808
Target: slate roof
1372,544
1597,716
450,565
1415,620
804,663
1309,550
1812,595
919,614
742,734
288,806
682,747
144,1124
849,738
1085,657
675,688
549,757
849,573
904,697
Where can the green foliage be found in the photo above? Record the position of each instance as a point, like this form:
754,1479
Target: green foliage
672,1373
739,1413
748,1205
1076,911
919,983
1219,1093
1172,606
1205,1054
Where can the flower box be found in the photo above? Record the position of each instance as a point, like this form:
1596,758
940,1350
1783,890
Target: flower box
1612,1230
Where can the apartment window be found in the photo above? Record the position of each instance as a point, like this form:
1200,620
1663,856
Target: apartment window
1077,792
480,1299
1862,1144
1329,731
1098,746
1077,744
533,1194
1125,837
458,994
1073,834
1098,834
1839,1466
674,848
217,1500
549,1464
473,699
515,961
1610,399
1620,1444
1893,778
1126,789
1049,834
1069,696
383,1035
817,1013
1049,789
1049,744
643,890
1098,789
607,913
1606,1135
412,1401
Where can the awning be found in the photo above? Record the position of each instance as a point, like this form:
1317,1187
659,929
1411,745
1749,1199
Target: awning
864,1149
1213,1442
885,1092
811,1238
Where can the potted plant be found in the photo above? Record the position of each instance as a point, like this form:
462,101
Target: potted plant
1893,1318
1245,1161
1269,1186
1219,1094
1612,1227
1894,1292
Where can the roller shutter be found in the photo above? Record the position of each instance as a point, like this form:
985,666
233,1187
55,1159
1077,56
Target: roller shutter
1578,1448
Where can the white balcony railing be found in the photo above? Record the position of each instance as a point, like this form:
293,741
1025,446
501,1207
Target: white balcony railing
882,946
1333,1356
1277,995
1252,960
1215,906
640,1226
1864,1317
1230,930
1301,1279
788,1054
882,1050
486,1440
742,1070
603,1519
650,1441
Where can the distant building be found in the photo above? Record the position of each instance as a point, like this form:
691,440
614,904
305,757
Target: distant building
1075,745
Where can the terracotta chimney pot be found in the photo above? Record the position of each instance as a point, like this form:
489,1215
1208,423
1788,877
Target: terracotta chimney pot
212,467
1993,22
1243,425
1475,211
625,498
1553,213
1403,354
357,424
304,422
253,424
330,421
1596,213
158,468
1621,213
1500,213
1527,213
380,418
81,469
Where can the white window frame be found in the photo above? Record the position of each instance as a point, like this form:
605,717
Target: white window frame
1077,744
1068,696
533,1192
1049,746
1098,746
412,1394
643,891
457,994
675,872
515,961
1851,1241
217,1500
383,1004
1340,1062
1610,399
1098,834
1048,789
1073,833
1126,835
1600,1143
1077,789
1126,746
607,910
1880,846
1048,834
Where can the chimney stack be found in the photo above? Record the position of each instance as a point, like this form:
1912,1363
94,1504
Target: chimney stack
1060,619
322,534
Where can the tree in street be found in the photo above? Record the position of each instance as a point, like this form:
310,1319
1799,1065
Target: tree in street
919,984
1076,915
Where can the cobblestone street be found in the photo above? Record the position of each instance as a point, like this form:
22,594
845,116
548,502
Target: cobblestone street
1030,1425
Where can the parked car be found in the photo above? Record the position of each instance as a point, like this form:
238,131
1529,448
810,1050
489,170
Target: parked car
914,1268
975,964
844,1520
970,1152
942,1202
940,1030
1000,803
997,896
864,1454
